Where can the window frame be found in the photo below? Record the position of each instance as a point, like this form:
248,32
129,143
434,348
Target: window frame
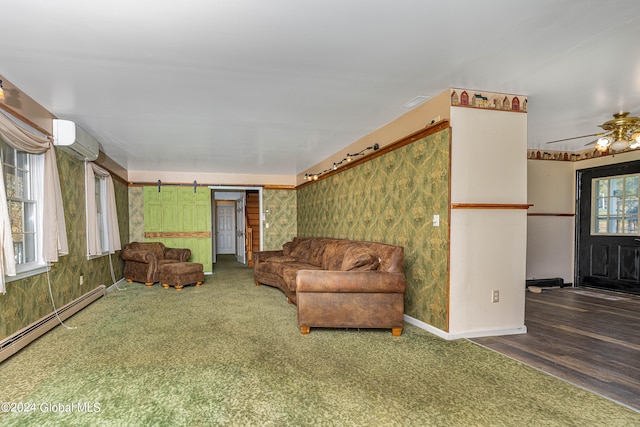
621,214
100,187
33,168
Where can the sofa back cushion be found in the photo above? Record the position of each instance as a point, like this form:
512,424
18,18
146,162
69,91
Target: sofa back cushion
334,254
391,256
301,251
359,258
156,247
316,253
287,248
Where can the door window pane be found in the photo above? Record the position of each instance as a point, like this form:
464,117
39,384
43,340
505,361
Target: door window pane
615,205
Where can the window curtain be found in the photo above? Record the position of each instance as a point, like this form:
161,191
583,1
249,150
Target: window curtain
93,231
7,258
54,228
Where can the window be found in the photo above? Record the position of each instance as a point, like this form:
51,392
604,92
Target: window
23,184
615,205
101,192
103,235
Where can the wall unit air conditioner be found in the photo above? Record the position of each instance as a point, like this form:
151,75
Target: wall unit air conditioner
73,139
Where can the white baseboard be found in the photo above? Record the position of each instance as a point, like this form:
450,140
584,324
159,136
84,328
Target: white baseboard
471,334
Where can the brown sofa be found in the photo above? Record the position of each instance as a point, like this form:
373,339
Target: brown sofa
338,283
143,260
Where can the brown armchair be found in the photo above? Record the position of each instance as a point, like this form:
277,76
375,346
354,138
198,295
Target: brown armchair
142,260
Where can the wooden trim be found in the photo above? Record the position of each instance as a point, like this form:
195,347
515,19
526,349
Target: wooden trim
190,184
176,234
171,184
492,109
279,187
17,115
448,296
406,140
490,206
551,214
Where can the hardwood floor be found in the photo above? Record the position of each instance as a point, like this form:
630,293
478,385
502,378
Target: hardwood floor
588,337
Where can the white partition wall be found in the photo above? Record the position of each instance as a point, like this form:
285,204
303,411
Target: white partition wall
551,224
488,222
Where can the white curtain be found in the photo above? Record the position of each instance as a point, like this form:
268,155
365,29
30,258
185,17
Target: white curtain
93,230
54,228
7,259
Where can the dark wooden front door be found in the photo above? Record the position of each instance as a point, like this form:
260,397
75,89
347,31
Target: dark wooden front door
605,261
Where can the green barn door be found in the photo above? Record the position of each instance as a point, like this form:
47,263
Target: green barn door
180,218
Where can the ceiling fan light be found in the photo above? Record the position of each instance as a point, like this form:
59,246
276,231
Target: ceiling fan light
636,137
620,145
603,142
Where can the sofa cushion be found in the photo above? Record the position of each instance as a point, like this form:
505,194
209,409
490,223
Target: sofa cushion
156,248
280,259
290,271
316,251
359,258
288,247
334,254
301,251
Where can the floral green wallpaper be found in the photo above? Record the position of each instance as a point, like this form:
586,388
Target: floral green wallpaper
27,300
136,214
281,215
392,199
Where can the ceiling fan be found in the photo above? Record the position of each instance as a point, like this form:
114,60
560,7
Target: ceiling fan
620,133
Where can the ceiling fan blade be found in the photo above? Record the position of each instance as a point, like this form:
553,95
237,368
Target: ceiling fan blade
575,137
595,140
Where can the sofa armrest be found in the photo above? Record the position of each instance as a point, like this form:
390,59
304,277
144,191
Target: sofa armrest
179,254
137,255
350,281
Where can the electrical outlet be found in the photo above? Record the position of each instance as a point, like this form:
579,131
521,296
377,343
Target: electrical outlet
81,280
436,220
495,295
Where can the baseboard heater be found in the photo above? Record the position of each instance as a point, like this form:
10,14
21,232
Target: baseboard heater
14,343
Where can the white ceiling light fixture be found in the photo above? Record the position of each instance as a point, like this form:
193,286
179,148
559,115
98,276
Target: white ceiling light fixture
624,132
621,133
602,144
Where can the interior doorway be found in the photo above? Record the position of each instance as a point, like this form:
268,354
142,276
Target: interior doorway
237,220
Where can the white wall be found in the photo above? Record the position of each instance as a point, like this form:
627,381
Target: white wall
551,189
488,246
550,236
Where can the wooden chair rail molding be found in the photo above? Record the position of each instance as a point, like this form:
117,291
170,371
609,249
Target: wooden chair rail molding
551,214
176,234
490,205
430,129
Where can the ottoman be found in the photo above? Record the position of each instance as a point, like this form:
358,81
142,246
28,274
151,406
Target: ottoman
178,274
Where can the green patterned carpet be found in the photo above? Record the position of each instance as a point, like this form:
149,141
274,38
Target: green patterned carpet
230,353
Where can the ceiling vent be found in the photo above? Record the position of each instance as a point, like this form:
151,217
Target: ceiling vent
73,139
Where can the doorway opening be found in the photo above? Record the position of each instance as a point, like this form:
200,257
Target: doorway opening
237,222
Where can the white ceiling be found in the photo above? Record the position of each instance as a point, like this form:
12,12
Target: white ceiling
276,86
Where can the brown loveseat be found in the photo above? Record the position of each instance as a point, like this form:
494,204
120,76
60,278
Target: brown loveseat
143,260
338,283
